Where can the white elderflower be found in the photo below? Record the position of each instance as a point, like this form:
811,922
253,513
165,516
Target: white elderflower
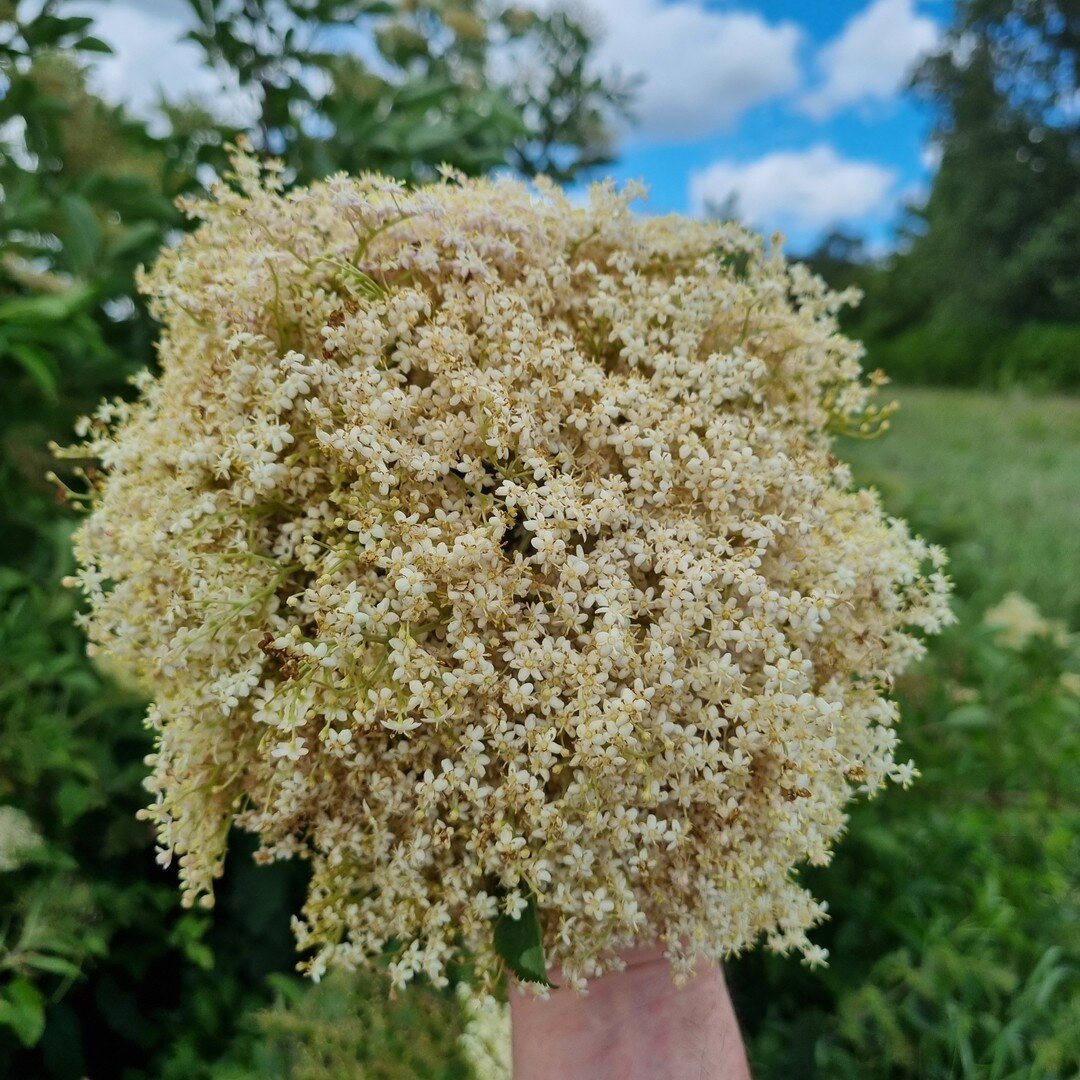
1017,621
489,551
486,1038
18,837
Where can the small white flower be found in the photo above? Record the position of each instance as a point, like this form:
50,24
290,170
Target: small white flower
293,750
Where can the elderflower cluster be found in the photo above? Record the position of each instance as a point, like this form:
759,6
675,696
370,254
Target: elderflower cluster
1017,622
485,1039
489,552
19,838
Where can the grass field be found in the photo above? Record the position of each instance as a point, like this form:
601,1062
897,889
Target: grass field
996,480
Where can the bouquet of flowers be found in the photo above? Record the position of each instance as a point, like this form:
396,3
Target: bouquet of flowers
489,552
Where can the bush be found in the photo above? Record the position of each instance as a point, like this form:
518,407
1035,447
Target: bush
342,1028
950,352
1042,355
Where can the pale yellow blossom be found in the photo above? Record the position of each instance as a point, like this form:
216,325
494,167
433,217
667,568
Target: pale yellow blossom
19,837
474,545
1018,621
486,1038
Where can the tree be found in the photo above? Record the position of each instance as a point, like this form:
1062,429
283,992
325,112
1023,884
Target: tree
402,86
566,107
997,237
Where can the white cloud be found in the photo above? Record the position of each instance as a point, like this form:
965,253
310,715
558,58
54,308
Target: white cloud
150,60
701,68
930,155
871,58
798,192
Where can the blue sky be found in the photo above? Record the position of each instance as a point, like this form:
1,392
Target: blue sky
795,107
834,141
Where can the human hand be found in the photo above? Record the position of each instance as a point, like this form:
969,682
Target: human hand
631,1025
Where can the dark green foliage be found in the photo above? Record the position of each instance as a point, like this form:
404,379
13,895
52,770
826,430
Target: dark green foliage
106,968
994,237
992,353
341,1028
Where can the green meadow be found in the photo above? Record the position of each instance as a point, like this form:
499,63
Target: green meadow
993,477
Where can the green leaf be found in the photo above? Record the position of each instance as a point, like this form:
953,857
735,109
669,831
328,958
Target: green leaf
968,718
54,965
188,936
520,945
51,308
22,1008
93,44
82,238
73,800
76,24
37,363
135,237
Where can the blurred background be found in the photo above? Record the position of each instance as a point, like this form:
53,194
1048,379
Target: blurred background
927,151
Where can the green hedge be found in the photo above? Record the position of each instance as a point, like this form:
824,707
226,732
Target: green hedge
1042,356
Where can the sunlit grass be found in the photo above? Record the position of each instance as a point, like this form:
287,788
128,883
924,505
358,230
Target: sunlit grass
993,477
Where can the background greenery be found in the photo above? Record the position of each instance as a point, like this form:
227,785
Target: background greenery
956,925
